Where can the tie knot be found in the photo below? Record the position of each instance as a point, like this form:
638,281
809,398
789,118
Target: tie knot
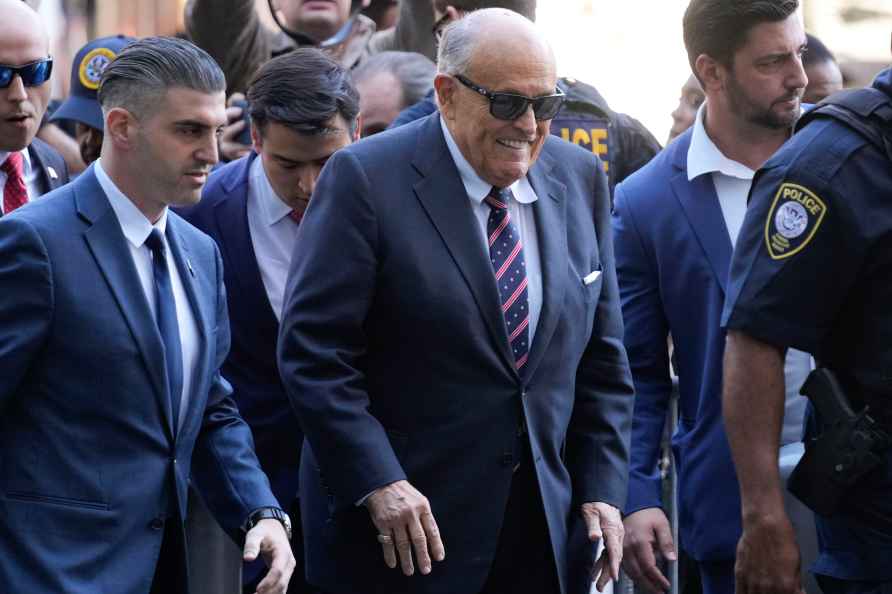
498,198
13,165
155,242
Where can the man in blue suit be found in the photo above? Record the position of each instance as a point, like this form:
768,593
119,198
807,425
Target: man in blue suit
303,108
29,167
675,224
451,342
113,328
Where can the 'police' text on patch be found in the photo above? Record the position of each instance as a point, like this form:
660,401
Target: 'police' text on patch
793,220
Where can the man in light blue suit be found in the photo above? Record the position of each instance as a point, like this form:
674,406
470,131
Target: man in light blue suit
113,327
675,224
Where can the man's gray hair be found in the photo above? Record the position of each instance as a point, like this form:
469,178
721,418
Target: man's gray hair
414,72
457,46
138,78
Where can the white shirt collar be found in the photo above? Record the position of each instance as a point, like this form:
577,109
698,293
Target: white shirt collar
26,158
705,157
273,209
134,224
475,186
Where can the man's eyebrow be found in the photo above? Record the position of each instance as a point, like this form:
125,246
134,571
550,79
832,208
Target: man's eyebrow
193,124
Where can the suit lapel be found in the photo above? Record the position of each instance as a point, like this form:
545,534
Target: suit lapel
700,204
445,200
48,177
550,211
180,251
111,251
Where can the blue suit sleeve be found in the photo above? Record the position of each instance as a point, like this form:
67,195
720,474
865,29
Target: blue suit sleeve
646,342
26,308
224,464
322,339
598,434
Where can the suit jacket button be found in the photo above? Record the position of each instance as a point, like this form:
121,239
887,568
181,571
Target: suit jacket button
156,524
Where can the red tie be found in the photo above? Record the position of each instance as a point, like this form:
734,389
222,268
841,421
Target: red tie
15,192
296,216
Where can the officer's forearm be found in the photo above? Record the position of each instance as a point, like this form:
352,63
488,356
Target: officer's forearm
753,408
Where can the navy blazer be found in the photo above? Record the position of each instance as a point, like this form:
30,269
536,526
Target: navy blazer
251,366
673,252
394,353
91,464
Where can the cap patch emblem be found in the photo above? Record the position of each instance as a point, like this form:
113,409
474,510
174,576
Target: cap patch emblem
92,66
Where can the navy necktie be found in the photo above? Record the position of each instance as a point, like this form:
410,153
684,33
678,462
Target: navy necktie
506,255
168,326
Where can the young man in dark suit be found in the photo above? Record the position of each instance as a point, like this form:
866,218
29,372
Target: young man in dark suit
303,108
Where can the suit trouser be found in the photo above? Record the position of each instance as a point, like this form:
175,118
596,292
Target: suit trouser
717,577
524,561
171,572
831,585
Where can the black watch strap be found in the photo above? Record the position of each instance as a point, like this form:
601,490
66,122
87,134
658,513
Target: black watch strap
269,513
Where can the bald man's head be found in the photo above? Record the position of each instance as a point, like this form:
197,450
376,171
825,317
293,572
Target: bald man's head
23,41
496,51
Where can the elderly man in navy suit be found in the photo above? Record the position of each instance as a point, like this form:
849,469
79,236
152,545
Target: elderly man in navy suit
303,108
113,328
28,166
451,341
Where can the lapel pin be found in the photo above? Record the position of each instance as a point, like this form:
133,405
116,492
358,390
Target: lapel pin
52,173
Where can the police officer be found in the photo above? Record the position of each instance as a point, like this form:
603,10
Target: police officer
813,271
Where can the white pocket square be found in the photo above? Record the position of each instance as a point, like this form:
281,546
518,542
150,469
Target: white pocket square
591,277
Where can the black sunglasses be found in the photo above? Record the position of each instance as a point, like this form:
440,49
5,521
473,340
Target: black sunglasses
33,74
510,106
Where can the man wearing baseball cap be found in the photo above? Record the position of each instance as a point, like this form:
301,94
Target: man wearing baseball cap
82,106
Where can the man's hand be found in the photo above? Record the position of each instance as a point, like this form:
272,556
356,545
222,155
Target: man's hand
767,557
648,536
604,521
405,522
230,148
269,539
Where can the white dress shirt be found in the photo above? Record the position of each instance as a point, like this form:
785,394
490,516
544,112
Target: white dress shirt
137,228
29,172
273,235
521,212
732,181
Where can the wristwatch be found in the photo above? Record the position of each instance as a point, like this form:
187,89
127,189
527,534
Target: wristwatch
268,513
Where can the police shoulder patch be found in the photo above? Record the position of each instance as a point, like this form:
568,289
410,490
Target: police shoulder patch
793,220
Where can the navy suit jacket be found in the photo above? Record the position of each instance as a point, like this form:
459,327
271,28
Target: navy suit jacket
91,464
394,353
51,167
251,366
673,252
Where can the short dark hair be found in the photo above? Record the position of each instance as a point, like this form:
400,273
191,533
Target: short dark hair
142,73
718,28
302,90
817,52
525,7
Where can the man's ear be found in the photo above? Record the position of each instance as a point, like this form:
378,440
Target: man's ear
445,88
710,73
120,127
256,138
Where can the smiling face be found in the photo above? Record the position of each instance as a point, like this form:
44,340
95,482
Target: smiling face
766,81
22,41
500,151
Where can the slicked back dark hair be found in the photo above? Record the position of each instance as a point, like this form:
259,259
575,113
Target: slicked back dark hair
525,7
138,78
718,28
303,90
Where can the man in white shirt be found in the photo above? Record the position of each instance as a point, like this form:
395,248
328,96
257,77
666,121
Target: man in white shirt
113,328
28,166
675,225
303,108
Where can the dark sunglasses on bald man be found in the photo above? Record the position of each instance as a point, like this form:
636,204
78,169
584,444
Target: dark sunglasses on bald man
510,106
33,74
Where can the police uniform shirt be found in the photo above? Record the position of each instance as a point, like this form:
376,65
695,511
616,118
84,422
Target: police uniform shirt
813,270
